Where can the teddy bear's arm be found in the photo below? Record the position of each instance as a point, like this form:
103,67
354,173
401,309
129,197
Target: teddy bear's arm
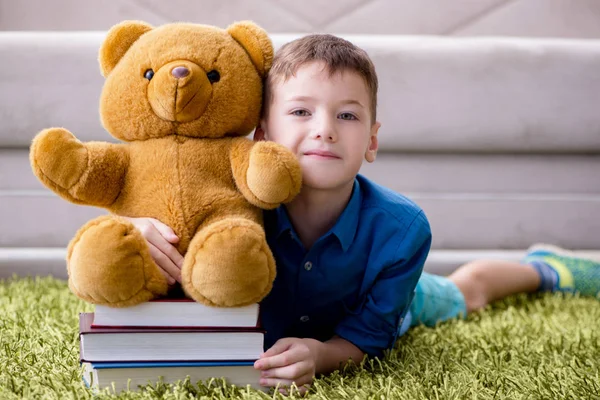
266,173
84,173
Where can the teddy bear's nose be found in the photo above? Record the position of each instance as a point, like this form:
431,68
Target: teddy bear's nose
180,72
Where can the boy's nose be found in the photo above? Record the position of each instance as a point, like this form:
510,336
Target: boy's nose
325,136
325,131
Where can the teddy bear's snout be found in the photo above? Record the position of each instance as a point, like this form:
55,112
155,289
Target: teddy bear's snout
179,91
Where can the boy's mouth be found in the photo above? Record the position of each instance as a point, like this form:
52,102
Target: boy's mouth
321,154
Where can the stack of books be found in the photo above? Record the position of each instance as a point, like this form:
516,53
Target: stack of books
169,340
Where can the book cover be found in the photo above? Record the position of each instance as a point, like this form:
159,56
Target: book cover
161,344
172,312
130,376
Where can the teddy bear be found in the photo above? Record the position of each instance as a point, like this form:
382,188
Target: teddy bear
181,99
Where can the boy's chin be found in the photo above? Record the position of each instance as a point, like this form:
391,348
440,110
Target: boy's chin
327,181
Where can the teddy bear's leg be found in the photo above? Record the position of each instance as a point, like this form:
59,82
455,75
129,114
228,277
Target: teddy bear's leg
109,263
229,264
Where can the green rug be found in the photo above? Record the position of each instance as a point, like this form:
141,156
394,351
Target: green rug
534,347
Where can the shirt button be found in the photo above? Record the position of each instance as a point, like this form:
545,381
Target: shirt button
304,318
308,265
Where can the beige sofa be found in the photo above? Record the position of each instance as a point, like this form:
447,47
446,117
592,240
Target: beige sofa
497,139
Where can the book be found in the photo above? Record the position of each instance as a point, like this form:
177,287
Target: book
176,313
176,344
127,375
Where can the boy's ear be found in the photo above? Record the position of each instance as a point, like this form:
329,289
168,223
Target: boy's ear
371,152
118,40
256,42
259,134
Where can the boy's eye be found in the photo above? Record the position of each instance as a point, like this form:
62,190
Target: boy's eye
300,113
347,116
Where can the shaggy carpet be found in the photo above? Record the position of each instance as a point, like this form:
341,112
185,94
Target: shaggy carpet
540,346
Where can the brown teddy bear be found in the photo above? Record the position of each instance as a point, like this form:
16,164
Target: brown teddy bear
182,96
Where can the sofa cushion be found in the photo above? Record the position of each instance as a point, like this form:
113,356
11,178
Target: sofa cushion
437,94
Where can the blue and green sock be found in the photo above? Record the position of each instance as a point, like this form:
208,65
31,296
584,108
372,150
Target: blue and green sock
561,270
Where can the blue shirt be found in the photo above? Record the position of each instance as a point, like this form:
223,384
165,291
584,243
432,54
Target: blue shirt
357,280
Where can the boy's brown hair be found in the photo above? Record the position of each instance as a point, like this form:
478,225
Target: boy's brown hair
336,53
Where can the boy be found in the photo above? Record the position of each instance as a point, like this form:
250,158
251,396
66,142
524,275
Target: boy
349,253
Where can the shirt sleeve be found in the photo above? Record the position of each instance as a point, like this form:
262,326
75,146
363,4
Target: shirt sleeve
374,326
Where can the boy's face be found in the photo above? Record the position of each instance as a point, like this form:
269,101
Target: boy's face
326,121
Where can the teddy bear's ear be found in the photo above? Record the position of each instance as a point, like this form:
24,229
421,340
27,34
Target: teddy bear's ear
118,40
256,42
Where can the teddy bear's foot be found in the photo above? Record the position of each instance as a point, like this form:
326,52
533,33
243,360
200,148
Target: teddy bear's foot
229,264
109,263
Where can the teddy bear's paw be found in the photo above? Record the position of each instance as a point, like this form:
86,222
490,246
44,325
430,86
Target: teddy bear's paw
58,159
274,175
109,263
229,264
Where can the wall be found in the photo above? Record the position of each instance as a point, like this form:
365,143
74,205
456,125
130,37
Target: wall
528,18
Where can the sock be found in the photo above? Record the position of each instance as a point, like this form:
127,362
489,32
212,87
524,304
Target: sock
560,270
548,276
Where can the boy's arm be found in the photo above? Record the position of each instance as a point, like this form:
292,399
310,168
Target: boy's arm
374,326
335,353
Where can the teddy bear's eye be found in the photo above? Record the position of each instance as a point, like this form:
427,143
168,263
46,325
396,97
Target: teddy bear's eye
213,76
148,74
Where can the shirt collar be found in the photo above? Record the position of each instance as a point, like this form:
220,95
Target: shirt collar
344,228
347,223
284,224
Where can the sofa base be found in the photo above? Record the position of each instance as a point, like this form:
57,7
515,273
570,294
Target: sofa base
51,261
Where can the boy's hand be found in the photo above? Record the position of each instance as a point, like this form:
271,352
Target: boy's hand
160,240
289,360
